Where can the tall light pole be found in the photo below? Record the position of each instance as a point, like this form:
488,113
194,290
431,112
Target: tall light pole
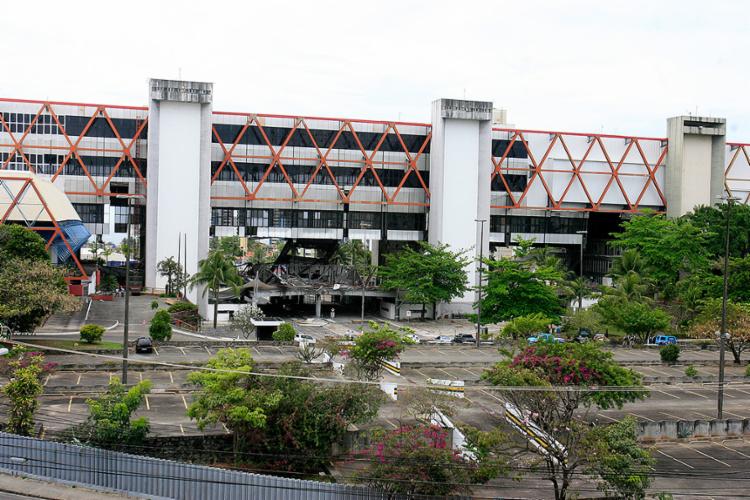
479,289
723,332
126,324
580,266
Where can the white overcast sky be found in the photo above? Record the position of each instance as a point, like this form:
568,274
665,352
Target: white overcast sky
620,66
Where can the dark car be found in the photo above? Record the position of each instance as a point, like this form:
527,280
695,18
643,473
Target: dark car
465,338
584,335
144,345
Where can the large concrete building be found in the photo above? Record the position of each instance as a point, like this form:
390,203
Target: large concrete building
192,172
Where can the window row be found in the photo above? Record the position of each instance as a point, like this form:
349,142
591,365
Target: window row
300,174
90,212
316,219
323,138
533,224
516,183
73,125
100,166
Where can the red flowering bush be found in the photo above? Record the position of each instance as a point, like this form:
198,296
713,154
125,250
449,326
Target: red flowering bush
373,347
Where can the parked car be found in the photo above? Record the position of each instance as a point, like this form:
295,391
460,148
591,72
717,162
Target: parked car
584,335
665,339
413,337
303,338
464,338
144,345
441,339
544,337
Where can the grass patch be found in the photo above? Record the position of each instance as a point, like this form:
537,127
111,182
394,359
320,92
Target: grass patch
75,345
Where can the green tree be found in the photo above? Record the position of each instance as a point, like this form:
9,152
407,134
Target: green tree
22,390
229,245
429,275
285,333
523,326
214,271
585,319
31,290
413,461
515,289
712,220
17,242
352,253
110,423
563,375
172,270
634,318
282,422
380,343
620,462
91,334
160,328
128,247
581,289
708,323
668,247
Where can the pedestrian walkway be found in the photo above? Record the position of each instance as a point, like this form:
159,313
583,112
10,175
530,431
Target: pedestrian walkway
35,488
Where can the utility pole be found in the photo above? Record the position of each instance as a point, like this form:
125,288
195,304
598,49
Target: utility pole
580,266
481,257
127,296
723,332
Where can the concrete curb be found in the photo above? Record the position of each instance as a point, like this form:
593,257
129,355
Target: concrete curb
675,430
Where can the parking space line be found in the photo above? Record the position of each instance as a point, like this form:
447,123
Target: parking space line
605,416
155,351
171,379
471,372
225,428
421,373
695,393
78,381
709,417
148,406
208,350
140,376
491,395
733,414
641,416
182,430
665,393
70,403
47,379
256,350
389,421
660,372
732,449
184,401
740,390
182,350
675,459
671,416
706,455
450,375
110,377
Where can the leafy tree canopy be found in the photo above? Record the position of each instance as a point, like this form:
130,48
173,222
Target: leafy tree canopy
17,242
515,289
229,245
708,323
633,317
373,347
523,326
713,221
431,274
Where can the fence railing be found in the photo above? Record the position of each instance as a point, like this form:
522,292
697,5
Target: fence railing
154,477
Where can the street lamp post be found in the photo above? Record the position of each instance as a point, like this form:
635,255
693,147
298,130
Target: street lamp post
481,257
126,324
580,266
723,332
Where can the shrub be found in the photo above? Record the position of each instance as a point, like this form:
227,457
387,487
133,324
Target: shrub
154,304
669,353
109,283
285,333
161,326
523,326
91,334
747,371
182,306
690,371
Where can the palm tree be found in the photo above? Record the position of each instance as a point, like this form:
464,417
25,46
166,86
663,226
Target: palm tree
629,262
581,289
214,271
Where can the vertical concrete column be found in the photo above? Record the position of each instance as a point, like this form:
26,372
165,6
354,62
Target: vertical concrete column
374,252
695,162
460,169
179,176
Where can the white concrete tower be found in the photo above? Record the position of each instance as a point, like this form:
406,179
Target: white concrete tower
460,169
179,176
695,162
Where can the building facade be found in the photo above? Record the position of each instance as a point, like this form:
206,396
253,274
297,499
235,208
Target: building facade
188,172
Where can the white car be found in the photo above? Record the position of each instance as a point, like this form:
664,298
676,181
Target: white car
441,339
303,338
